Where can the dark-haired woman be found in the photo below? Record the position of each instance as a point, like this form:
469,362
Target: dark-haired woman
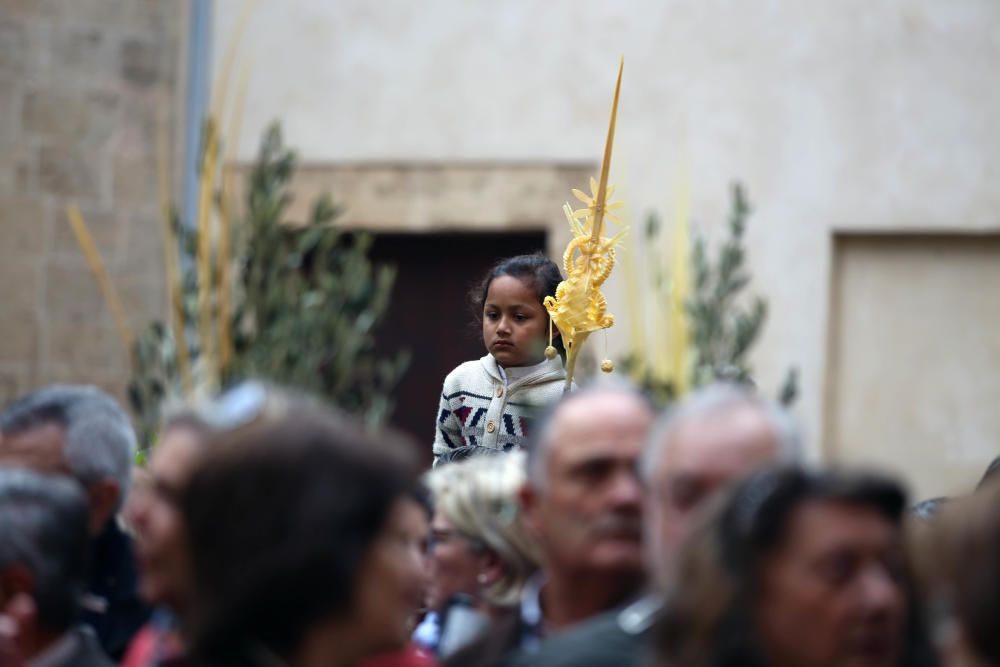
161,552
301,545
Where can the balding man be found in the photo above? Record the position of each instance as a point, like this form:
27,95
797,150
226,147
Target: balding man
717,436
583,502
81,433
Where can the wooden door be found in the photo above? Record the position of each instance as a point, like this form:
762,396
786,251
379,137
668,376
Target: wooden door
430,315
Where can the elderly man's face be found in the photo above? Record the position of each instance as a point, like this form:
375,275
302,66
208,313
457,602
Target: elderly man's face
41,449
832,595
588,514
703,456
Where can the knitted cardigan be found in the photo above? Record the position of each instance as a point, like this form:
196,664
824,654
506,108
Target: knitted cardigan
479,409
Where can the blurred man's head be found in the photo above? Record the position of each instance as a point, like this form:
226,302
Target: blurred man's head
959,557
583,499
77,431
991,474
43,556
796,568
836,575
715,437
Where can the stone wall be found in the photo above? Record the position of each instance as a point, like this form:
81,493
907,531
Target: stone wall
83,85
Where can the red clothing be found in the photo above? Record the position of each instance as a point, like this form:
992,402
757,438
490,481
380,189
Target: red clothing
411,656
153,646
140,651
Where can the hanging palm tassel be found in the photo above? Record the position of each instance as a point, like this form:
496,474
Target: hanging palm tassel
579,308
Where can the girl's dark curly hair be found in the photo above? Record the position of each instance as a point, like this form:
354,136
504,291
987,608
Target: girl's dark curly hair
535,270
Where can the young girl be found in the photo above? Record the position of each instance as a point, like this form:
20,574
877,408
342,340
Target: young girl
489,403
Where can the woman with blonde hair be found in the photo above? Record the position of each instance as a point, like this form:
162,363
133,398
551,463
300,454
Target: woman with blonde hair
480,554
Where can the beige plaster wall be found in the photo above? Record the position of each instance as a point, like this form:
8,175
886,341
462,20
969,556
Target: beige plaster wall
913,379
837,114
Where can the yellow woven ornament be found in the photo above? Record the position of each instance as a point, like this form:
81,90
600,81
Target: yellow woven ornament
579,308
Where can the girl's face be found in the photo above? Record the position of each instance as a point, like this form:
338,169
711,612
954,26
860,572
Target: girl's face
515,323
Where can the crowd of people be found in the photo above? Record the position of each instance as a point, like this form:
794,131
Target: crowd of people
268,529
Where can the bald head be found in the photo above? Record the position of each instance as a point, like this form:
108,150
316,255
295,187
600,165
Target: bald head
613,406
583,501
714,438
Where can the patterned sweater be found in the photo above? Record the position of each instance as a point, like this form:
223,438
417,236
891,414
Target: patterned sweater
480,408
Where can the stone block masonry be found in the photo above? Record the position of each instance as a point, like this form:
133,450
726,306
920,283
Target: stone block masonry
81,82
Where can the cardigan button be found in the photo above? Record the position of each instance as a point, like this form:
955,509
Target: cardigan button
499,392
490,427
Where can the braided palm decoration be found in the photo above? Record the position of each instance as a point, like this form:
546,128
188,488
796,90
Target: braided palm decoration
578,308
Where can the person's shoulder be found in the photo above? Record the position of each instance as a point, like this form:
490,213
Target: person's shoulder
86,652
545,389
463,371
474,371
596,642
493,647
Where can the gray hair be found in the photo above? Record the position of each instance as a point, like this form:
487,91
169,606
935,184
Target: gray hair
539,445
714,400
100,440
43,521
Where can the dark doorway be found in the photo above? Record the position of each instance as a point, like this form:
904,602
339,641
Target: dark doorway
429,314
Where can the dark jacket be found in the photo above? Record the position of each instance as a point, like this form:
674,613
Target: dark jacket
78,649
112,606
501,639
616,638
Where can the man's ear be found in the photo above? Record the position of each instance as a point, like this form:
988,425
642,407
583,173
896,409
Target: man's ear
102,502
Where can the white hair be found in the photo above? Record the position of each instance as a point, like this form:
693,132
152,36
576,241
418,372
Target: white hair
479,497
100,440
719,399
